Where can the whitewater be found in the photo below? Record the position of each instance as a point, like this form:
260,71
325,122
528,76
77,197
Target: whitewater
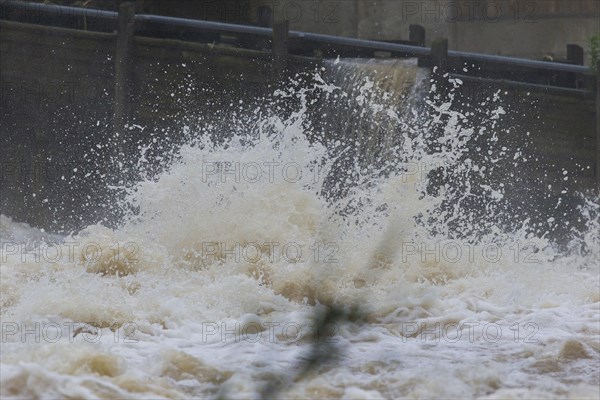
212,283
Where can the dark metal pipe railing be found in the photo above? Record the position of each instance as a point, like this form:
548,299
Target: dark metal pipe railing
204,25
525,85
55,10
261,31
365,44
519,62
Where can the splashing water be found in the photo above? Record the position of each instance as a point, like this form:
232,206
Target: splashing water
208,285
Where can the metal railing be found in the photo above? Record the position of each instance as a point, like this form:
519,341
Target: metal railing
200,25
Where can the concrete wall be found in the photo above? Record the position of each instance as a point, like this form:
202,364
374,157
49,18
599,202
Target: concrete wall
536,39
523,28
556,141
556,130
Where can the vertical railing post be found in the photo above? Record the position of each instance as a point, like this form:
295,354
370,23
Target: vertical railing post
575,54
416,35
439,53
598,126
123,66
280,49
575,57
439,63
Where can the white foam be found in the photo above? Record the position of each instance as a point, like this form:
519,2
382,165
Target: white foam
202,322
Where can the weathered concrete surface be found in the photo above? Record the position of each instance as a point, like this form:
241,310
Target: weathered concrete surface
540,38
530,29
554,133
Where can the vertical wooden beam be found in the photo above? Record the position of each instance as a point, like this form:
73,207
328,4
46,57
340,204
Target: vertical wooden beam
265,19
575,54
416,35
280,48
439,53
123,66
439,63
598,127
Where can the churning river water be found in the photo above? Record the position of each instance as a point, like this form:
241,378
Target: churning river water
210,284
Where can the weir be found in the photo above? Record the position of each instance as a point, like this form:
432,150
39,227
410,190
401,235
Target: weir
65,103
265,213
